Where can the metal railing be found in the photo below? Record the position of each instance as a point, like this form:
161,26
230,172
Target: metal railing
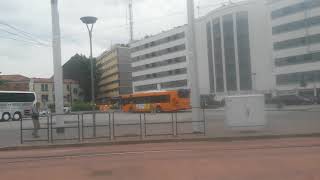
94,127
109,126
64,128
22,130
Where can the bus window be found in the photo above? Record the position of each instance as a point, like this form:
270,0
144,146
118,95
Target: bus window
17,97
160,99
184,93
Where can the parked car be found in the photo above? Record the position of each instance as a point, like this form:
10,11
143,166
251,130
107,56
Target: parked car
44,112
292,100
209,102
67,109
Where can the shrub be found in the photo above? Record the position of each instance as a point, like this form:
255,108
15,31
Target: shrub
81,106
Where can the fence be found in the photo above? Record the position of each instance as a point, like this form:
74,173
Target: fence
24,129
117,126
82,127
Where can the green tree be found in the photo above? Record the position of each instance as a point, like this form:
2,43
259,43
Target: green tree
79,68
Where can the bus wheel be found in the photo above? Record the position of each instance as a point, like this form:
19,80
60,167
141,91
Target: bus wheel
158,109
17,116
6,116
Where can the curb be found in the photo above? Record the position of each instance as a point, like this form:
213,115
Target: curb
217,139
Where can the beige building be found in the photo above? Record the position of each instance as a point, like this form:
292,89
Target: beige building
116,78
44,88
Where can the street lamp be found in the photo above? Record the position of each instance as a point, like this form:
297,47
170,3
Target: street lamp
90,21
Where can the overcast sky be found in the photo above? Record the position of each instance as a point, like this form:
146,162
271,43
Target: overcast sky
20,56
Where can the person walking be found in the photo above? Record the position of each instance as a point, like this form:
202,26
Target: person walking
35,119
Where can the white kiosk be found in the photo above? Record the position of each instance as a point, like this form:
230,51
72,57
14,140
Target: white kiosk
245,112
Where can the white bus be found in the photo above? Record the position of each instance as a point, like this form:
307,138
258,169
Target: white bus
16,104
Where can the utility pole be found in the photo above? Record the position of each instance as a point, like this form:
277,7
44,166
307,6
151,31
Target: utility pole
193,67
56,52
131,20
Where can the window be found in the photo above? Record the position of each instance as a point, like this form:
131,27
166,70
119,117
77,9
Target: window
174,84
68,87
184,93
158,99
218,54
159,64
300,77
159,42
307,4
160,74
44,87
44,98
210,57
161,52
296,25
17,97
230,62
244,57
300,59
75,91
302,41
146,87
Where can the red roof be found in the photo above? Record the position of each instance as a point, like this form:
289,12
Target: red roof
14,78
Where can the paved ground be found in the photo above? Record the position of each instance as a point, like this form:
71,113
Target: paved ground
279,123
292,159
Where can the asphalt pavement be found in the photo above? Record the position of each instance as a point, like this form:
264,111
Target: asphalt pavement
289,122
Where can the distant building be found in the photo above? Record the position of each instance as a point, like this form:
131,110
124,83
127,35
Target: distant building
234,50
160,62
116,74
14,83
296,45
44,89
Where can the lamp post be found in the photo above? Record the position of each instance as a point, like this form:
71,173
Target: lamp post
193,67
89,21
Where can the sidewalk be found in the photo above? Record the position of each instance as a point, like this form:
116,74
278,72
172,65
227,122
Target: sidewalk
281,159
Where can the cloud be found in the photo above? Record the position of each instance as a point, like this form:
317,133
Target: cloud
34,16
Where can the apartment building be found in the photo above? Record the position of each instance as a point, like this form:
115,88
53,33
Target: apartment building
160,62
296,45
116,78
44,89
234,50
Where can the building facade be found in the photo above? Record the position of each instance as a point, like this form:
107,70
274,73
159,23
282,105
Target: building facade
14,83
234,50
160,62
296,45
44,89
116,74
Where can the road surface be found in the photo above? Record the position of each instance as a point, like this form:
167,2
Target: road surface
279,123
282,159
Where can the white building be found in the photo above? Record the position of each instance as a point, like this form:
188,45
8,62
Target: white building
159,62
296,44
44,89
235,50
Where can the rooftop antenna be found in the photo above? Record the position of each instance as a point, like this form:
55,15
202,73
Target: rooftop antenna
131,20
198,7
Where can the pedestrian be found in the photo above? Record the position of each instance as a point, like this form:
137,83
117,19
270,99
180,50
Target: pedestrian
35,119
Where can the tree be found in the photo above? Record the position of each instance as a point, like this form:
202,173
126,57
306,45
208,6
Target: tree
79,68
